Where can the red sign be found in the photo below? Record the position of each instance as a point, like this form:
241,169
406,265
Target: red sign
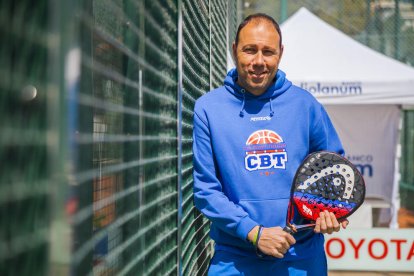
371,249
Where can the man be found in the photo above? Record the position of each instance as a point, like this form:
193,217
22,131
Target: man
250,136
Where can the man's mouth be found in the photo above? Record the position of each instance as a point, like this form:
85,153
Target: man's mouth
257,74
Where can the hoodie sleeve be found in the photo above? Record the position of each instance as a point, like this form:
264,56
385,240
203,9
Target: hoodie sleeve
208,192
323,134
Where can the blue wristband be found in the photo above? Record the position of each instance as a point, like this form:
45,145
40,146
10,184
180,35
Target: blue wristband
259,234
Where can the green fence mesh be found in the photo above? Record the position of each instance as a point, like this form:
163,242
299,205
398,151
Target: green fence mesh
218,43
196,81
24,186
208,28
126,131
96,115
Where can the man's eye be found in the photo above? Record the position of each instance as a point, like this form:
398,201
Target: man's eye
250,50
268,52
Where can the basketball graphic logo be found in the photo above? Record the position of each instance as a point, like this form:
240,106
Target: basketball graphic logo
265,149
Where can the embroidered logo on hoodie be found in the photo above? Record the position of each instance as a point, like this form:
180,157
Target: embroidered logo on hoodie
265,149
266,118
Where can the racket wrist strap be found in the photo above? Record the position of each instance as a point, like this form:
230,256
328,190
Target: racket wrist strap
256,244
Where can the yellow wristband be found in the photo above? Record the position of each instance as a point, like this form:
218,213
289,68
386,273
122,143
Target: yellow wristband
255,237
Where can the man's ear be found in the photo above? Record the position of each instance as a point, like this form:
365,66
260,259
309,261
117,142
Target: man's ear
280,54
281,51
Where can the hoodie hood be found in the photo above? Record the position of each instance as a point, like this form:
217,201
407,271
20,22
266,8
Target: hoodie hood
277,88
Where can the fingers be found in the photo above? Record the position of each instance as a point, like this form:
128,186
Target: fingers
278,254
335,224
285,241
275,242
280,251
327,223
344,223
290,239
317,228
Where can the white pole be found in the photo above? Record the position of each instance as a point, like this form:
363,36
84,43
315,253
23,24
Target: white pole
396,202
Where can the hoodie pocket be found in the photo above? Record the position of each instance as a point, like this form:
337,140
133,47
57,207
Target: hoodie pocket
269,212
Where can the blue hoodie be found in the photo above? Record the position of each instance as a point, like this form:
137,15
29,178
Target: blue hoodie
246,150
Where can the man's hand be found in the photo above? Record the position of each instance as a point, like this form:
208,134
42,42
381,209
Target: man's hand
327,223
273,241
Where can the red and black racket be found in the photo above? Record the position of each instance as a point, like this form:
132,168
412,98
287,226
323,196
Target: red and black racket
324,181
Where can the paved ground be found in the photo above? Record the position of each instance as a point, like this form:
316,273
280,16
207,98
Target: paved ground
357,273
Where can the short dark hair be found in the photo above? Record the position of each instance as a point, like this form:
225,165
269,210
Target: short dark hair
258,17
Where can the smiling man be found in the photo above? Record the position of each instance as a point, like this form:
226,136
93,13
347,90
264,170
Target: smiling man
257,51
250,136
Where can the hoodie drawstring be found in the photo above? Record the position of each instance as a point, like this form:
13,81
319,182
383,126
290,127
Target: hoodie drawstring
243,102
271,108
241,114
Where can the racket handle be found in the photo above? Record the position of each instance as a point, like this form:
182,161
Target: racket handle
292,229
289,230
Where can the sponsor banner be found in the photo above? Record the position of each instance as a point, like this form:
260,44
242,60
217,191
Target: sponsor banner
339,89
358,92
369,135
377,249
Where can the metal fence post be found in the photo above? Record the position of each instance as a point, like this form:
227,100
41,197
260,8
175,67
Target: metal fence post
179,134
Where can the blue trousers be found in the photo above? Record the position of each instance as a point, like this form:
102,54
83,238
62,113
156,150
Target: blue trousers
225,263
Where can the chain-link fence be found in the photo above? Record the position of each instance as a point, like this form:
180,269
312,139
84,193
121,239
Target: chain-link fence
25,193
96,116
196,72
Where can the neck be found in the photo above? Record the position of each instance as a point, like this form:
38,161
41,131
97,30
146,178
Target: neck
255,92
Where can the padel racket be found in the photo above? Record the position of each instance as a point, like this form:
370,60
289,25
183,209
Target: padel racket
324,181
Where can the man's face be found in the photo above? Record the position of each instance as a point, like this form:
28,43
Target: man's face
257,56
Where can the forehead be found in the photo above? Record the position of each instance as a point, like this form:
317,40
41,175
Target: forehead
259,32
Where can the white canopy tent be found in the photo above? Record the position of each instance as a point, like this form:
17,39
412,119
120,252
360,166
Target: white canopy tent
363,92
317,53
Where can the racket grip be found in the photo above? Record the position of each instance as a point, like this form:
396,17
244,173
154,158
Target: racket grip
289,229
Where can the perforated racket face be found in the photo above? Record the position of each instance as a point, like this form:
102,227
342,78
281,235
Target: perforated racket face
327,181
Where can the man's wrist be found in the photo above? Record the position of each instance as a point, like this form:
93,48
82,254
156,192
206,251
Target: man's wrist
256,244
252,235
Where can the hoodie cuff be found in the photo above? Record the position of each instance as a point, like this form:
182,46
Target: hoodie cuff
244,227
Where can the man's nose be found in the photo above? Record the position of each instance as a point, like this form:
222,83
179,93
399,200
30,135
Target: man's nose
258,58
